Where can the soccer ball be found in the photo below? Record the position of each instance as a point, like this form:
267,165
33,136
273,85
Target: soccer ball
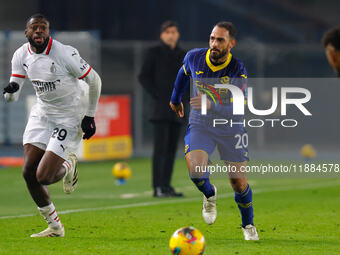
308,151
121,171
187,241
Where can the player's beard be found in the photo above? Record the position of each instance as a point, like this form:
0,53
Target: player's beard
216,57
39,47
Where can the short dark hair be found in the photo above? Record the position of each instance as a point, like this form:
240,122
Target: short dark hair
332,37
229,27
36,16
168,23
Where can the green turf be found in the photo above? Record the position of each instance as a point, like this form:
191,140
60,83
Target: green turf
293,216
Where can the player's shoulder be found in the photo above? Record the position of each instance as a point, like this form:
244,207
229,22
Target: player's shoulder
21,51
63,53
238,65
194,53
197,51
61,49
236,61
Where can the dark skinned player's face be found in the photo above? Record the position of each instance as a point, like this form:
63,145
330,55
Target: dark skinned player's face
220,43
37,32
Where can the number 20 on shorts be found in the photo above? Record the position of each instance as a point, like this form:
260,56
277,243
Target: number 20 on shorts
242,141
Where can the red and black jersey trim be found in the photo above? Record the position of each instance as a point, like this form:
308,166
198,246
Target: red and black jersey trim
49,46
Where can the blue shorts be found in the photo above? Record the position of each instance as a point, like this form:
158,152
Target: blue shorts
231,148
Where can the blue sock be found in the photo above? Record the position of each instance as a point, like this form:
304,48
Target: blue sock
204,185
244,201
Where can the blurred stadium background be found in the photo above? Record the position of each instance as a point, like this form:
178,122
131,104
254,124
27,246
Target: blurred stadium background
275,39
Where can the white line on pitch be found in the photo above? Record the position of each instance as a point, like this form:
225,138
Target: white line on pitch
174,201
147,193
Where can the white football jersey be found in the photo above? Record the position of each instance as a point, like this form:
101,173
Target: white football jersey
55,75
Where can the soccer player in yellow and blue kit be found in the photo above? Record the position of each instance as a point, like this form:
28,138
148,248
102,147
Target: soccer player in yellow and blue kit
216,63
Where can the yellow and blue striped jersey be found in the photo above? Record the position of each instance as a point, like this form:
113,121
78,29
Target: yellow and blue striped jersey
203,74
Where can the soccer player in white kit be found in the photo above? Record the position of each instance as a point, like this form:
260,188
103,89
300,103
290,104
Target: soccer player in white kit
60,117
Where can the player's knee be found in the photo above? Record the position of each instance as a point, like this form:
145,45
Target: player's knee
196,170
239,185
43,178
197,165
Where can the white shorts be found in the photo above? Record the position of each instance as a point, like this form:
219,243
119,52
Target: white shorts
46,134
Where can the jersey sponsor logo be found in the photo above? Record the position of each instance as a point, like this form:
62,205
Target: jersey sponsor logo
45,86
218,96
199,72
25,66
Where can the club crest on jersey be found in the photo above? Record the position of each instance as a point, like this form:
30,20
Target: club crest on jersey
53,69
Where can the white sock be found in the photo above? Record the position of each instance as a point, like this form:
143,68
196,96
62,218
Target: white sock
67,165
50,215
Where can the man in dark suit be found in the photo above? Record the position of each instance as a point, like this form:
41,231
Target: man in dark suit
157,76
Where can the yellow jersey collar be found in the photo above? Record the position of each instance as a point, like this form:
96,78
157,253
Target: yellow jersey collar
219,67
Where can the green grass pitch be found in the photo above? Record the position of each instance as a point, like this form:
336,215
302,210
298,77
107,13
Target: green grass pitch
293,216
